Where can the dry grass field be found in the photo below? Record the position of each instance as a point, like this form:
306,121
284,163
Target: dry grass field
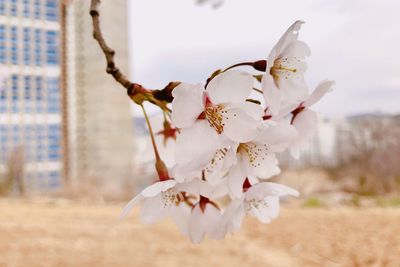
60,233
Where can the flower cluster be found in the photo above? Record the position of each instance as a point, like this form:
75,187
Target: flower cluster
226,144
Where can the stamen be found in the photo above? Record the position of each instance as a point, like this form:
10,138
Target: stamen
218,156
285,68
170,197
257,204
255,152
215,116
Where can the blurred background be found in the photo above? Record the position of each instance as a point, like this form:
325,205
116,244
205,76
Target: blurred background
73,148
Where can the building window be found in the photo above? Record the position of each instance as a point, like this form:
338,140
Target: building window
14,93
27,8
27,94
54,142
37,9
14,7
16,134
2,7
53,94
54,179
2,44
3,143
28,142
38,47
52,10
14,45
3,97
39,94
52,47
27,46
40,148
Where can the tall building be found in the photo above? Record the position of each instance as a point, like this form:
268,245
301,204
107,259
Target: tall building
57,104
100,119
30,116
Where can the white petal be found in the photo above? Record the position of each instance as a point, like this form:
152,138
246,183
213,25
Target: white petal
196,146
239,126
259,214
323,88
167,185
152,190
232,217
197,225
213,217
230,87
293,91
260,161
272,95
157,188
220,190
180,215
220,164
254,110
269,211
130,205
196,187
181,173
289,36
297,49
237,219
236,179
305,123
152,210
264,189
277,137
284,111
187,104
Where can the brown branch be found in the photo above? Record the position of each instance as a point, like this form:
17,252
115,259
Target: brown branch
109,53
137,92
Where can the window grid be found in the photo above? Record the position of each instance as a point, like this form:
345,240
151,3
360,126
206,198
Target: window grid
31,94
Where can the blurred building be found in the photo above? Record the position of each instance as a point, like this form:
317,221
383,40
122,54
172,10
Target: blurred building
71,120
30,114
100,128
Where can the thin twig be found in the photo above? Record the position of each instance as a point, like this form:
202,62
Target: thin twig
151,133
109,53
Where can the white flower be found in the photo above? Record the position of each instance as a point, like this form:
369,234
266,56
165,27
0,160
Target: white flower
283,83
203,221
211,118
257,158
260,200
305,120
159,200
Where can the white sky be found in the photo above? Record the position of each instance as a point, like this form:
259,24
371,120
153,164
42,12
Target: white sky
354,42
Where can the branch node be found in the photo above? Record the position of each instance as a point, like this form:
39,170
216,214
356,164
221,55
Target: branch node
94,12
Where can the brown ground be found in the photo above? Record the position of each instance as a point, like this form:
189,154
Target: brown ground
54,233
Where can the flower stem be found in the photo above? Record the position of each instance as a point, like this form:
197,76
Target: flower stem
259,65
153,141
239,65
160,165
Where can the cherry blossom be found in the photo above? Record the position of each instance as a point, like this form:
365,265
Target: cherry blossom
283,83
212,118
305,120
260,200
160,200
257,158
204,220
226,145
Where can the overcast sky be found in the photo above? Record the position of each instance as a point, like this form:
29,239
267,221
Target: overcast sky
354,42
